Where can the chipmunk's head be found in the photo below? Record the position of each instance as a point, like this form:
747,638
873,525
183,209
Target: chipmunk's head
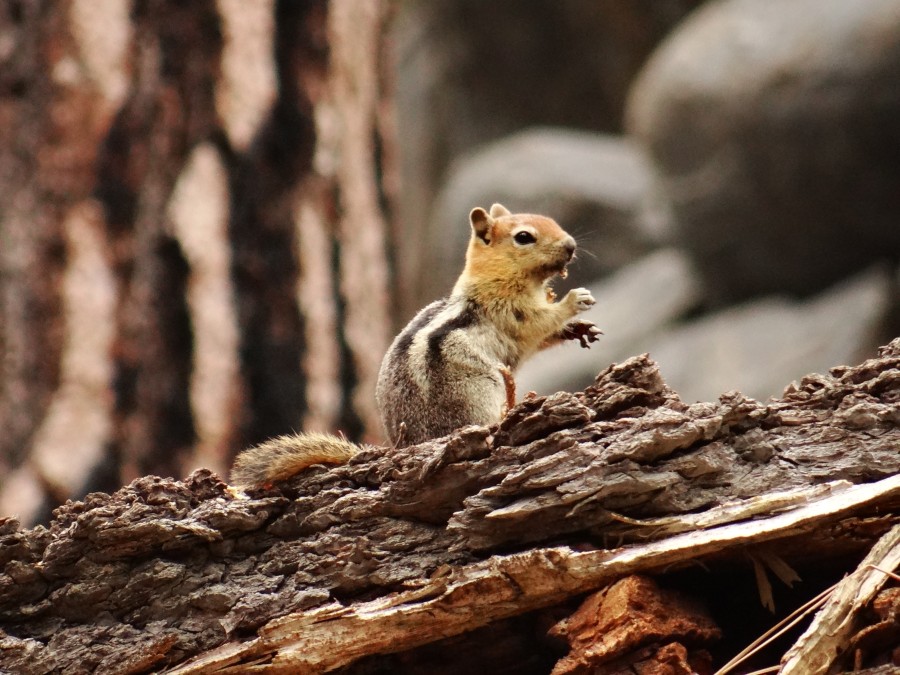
522,246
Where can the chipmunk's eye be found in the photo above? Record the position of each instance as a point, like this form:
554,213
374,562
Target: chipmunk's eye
524,238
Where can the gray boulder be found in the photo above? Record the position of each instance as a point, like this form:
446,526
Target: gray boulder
775,128
759,347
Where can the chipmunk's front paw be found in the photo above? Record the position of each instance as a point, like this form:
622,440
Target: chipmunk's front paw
583,331
580,299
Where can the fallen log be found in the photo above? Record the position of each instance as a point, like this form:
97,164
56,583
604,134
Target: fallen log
434,543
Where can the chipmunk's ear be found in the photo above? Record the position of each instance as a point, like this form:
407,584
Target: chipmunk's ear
498,210
481,224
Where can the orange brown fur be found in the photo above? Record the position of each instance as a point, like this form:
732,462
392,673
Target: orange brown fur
285,456
512,282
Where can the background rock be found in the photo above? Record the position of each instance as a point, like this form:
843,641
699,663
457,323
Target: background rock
759,347
775,127
762,146
469,72
756,348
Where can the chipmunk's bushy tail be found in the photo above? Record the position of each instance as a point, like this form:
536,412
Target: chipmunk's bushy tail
285,456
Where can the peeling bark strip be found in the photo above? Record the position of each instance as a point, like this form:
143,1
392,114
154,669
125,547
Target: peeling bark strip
818,648
403,539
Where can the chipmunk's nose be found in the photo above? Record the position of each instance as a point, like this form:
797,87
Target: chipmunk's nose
569,246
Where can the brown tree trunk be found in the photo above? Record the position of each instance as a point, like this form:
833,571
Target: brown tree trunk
211,170
170,109
39,180
477,543
265,182
313,170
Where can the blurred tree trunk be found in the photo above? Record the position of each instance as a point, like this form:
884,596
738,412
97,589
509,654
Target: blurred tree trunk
168,109
36,188
183,182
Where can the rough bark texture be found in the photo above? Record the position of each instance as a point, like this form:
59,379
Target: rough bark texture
627,616
163,569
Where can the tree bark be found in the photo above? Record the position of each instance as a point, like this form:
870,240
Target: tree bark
402,547
270,113
39,114
264,181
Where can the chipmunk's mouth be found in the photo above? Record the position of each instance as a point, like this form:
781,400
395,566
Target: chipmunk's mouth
559,268
548,272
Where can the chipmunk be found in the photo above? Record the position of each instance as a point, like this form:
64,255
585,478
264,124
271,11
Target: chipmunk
453,364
